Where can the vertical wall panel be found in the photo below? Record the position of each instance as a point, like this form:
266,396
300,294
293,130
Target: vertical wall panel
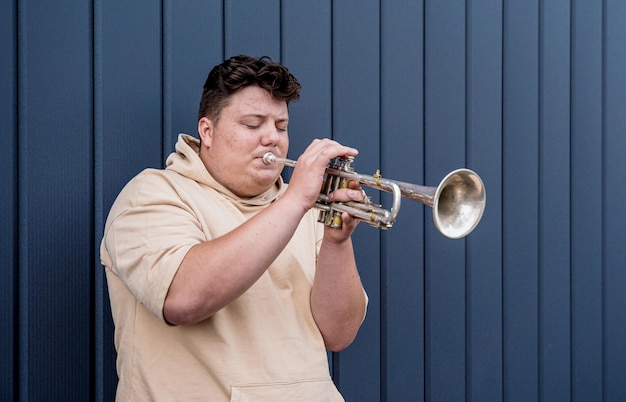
252,30
614,219
306,51
55,211
586,201
484,245
8,199
356,122
198,25
402,158
444,91
554,212
128,128
105,377
520,196
130,49
105,358
529,94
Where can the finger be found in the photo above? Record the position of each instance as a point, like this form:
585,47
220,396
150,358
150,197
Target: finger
328,149
349,222
347,194
353,184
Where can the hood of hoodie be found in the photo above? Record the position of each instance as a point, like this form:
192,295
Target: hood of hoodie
186,162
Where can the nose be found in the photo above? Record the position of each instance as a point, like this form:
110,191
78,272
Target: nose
270,136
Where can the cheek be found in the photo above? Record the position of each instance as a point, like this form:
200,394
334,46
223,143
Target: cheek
284,143
234,144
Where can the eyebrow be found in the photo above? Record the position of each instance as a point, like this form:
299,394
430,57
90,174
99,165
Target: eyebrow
262,116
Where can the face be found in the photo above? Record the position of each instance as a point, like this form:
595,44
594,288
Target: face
232,150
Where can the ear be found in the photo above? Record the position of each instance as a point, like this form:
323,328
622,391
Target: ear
205,131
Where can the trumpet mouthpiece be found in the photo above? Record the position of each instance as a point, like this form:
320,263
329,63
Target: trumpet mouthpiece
269,158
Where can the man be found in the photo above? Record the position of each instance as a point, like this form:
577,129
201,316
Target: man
223,285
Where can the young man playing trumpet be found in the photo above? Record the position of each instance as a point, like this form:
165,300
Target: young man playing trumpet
223,285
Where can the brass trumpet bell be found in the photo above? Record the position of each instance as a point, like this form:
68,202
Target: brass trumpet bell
458,203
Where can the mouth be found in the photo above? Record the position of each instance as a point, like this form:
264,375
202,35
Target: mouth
264,165
263,159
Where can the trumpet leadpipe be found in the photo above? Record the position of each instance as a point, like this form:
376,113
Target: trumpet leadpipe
269,158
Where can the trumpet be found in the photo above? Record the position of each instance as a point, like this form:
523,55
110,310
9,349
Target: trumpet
457,203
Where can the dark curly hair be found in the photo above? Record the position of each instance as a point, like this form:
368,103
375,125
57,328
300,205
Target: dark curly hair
239,72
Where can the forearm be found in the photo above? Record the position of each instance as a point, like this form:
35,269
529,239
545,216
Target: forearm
216,272
337,298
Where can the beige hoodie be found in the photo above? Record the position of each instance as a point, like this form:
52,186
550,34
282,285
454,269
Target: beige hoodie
264,346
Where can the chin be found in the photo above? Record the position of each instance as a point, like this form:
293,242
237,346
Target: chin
264,183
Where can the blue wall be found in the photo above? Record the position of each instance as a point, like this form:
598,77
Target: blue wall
530,94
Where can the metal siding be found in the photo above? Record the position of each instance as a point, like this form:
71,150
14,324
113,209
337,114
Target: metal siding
554,211
199,26
356,122
8,200
484,246
306,51
105,377
614,172
131,91
253,30
521,199
445,138
528,94
128,127
55,199
586,202
402,158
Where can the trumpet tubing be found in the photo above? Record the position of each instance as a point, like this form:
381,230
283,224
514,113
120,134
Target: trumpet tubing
457,203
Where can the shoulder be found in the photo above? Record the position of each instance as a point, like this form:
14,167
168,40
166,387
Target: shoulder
150,187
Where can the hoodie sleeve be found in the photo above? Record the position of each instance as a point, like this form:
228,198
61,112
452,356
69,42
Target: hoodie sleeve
148,233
